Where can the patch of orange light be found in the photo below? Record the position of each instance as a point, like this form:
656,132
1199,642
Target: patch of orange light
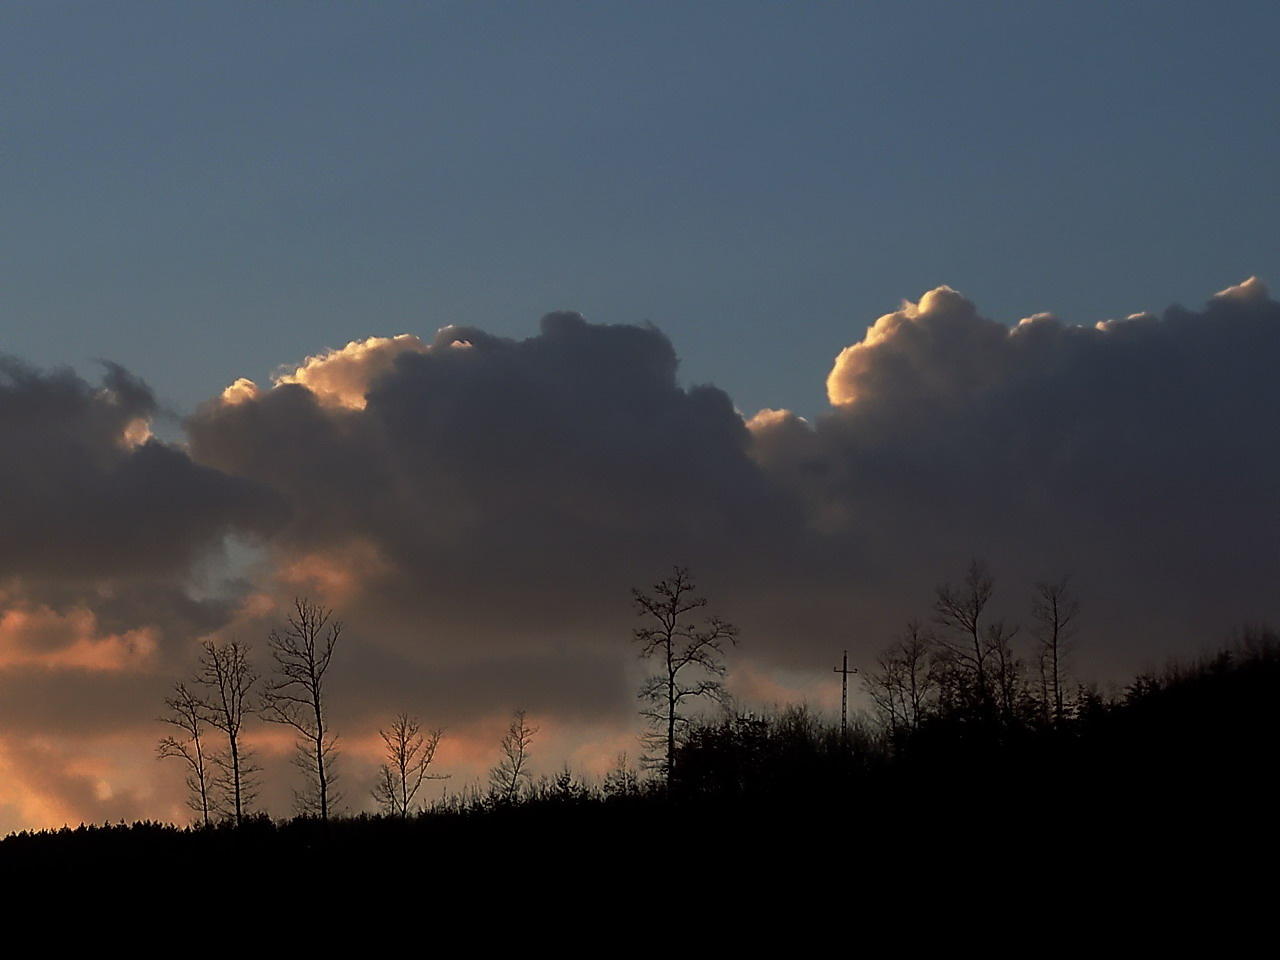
600,756
1251,290
768,418
126,651
41,637
48,782
367,744
271,739
769,689
257,605
136,433
335,574
36,809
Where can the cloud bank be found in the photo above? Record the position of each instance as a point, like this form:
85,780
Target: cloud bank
478,508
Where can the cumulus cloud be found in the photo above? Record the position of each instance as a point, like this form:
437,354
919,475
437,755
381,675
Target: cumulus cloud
493,505
1133,452
343,377
545,472
478,508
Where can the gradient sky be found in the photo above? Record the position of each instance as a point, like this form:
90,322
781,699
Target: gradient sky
203,193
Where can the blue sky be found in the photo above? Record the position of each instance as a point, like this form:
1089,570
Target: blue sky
202,192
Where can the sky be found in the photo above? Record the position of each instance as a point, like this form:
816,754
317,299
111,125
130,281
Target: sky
467,319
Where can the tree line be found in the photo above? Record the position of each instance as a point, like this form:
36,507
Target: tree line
962,664
223,778
953,692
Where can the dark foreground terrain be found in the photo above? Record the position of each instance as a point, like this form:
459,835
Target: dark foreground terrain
1166,792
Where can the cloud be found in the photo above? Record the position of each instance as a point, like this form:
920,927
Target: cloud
101,501
41,636
1134,452
548,473
105,537
486,510
937,351
344,377
477,509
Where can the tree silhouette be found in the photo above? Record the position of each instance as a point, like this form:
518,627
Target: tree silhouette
1006,670
506,779
622,779
1054,610
295,698
959,609
409,755
690,657
903,682
228,677
187,713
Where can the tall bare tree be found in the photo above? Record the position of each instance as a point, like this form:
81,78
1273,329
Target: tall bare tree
187,713
690,657
512,771
228,678
409,756
1054,610
959,609
295,697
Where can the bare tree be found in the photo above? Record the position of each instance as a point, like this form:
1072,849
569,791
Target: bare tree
903,682
1054,609
295,698
914,650
187,713
1006,668
690,657
885,686
959,608
506,779
409,755
228,678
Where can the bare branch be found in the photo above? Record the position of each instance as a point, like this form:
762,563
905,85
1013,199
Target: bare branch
409,755
506,779
188,714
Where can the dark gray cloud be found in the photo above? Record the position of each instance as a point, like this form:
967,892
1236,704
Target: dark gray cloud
100,517
507,486
98,498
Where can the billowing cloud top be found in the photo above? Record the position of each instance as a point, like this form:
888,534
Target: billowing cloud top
501,465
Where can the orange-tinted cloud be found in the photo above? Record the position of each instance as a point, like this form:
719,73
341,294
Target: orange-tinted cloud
41,637
343,377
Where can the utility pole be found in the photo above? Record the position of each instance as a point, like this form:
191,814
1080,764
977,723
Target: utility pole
844,672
